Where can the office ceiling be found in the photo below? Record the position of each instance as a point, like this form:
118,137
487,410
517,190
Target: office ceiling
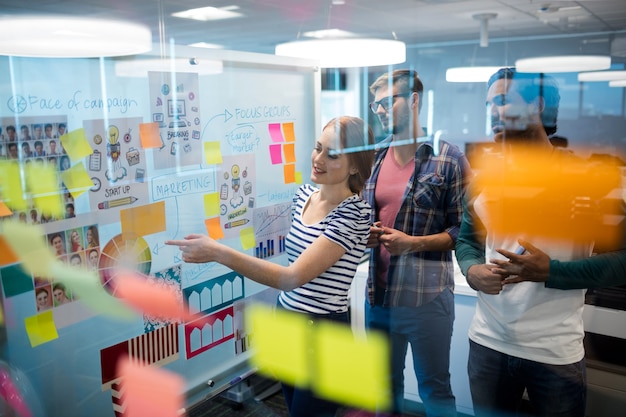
266,23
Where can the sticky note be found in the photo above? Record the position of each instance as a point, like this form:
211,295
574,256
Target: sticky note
289,173
150,391
288,132
40,328
276,153
212,153
43,184
4,210
29,244
340,372
76,144
15,280
214,228
77,180
299,177
151,298
143,220
280,343
289,150
87,286
7,256
211,204
149,135
247,238
275,132
11,185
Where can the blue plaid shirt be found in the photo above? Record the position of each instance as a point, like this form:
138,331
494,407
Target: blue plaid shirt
432,203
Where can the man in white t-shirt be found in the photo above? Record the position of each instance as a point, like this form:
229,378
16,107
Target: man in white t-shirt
524,337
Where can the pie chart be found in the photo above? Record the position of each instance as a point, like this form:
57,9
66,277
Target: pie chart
123,254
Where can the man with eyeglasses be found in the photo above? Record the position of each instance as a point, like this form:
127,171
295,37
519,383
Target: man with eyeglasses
416,191
525,336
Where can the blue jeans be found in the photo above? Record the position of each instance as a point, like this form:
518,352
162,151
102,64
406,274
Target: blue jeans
428,329
497,383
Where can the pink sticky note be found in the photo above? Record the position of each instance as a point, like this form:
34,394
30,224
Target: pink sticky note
150,391
151,297
276,154
275,132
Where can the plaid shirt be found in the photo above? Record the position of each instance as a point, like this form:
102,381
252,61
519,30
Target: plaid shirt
432,203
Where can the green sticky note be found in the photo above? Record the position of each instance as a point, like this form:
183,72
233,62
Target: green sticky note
280,344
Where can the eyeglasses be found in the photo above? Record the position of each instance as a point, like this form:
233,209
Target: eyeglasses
385,102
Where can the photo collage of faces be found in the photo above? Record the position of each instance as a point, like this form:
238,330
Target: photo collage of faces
79,247
39,143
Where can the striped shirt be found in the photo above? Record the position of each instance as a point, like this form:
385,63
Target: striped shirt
348,226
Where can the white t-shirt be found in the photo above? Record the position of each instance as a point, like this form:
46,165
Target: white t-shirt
528,320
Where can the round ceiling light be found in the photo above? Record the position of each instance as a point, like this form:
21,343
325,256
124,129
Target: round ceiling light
346,53
71,37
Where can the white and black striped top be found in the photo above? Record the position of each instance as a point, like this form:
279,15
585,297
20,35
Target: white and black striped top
346,225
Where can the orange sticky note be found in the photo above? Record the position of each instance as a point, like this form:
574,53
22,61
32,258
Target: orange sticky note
290,173
288,132
150,391
76,144
289,150
149,135
212,153
247,238
143,220
4,210
7,256
214,228
40,328
77,180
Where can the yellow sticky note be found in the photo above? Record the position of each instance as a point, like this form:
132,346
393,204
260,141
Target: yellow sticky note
280,343
289,150
288,132
299,177
149,135
212,153
76,144
77,180
143,220
40,328
247,238
43,184
340,373
289,173
11,185
211,204
214,228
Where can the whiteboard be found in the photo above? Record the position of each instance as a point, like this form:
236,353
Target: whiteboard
208,142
